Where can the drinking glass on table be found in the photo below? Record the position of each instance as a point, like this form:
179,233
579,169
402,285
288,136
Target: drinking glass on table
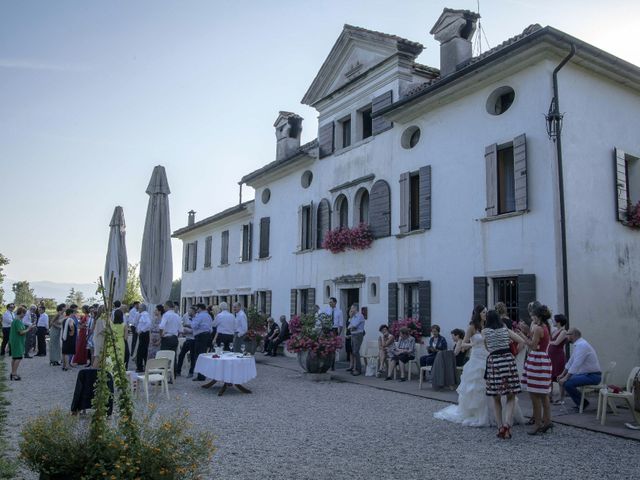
243,348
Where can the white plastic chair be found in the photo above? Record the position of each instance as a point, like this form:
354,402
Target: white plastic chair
423,374
416,359
370,354
605,397
606,374
156,372
171,355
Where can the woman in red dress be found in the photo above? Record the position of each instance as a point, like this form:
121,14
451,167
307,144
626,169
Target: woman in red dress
81,357
556,352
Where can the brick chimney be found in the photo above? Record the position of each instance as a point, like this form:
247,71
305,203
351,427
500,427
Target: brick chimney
192,218
288,131
454,30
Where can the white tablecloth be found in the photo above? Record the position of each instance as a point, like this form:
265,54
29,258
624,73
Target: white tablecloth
228,368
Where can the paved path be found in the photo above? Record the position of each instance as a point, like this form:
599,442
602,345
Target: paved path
292,428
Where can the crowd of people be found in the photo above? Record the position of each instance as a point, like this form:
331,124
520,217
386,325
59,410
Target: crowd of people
499,357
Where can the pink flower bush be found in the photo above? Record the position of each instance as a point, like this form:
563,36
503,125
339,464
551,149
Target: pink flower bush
313,335
341,239
414,326
633,216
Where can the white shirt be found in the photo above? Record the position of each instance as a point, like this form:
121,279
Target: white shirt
241,323
7,318
336,314
583,359
144,322
186,326
171,324
43,320
133,318
225,323
26,320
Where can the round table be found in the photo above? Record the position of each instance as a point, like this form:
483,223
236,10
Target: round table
231,369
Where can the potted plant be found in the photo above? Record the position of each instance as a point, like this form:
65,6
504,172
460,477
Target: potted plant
313,339
256,329
340,239
414,326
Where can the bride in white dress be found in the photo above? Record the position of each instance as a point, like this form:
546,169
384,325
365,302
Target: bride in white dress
473,408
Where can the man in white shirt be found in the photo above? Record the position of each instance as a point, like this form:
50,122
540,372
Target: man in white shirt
583,368
143,328
133,327
338,322
43,327
170,328
7,318
225,325
242,325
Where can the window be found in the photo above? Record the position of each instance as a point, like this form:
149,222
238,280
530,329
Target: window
505,290
380,209
345,132
415,200
247,233
263,301
411,300
363,206
342,208
224,248
367,125
207,251
506,177
323,221
304,301
305,241
306,179
627,183
266,196
191,256
410,137
264,237
506,180
500,100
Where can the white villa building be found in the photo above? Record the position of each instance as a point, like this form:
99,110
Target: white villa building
472,191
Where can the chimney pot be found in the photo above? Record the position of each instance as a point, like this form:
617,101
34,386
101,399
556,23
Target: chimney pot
192,218
454,30
288,132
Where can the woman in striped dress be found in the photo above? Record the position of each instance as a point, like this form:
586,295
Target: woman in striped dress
501,373
536,378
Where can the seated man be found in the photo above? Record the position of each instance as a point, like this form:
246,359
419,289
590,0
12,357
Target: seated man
436,343
402,352
582,368
273,332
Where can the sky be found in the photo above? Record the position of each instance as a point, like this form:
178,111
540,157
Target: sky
93,95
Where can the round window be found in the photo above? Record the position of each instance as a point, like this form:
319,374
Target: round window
500,100
266,195
410,137
307,178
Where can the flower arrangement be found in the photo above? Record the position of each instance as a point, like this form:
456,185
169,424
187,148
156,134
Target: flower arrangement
414,326
257,325
633,215
340,239
312,334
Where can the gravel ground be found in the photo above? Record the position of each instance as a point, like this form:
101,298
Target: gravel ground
292,428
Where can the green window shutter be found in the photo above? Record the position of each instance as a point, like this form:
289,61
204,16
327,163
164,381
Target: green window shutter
424,306
393,302
425,197
381,124
294,302
404,202
622,190
526,294
380,209
480,291
491,166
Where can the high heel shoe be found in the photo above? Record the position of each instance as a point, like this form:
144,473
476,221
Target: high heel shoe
546,427
14,377
501,431
507,432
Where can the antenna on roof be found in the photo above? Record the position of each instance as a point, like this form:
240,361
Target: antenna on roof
479,35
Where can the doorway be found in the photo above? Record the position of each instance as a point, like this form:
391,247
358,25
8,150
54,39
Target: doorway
348,296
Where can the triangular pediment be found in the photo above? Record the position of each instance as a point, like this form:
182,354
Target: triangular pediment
356,51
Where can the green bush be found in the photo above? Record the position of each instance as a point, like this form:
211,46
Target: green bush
7,466
55,445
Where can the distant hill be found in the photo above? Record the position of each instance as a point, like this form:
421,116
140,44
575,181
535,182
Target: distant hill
46,289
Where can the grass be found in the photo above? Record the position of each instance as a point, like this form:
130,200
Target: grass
7,466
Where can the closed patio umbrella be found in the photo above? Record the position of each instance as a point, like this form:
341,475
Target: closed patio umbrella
116,261
156,264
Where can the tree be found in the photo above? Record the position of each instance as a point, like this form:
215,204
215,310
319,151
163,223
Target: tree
74,297
132,292
24,294
3,261
49,303
176,290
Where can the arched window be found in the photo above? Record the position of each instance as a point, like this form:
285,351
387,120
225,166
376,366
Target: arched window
323,219
342,208
380,211
362,206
